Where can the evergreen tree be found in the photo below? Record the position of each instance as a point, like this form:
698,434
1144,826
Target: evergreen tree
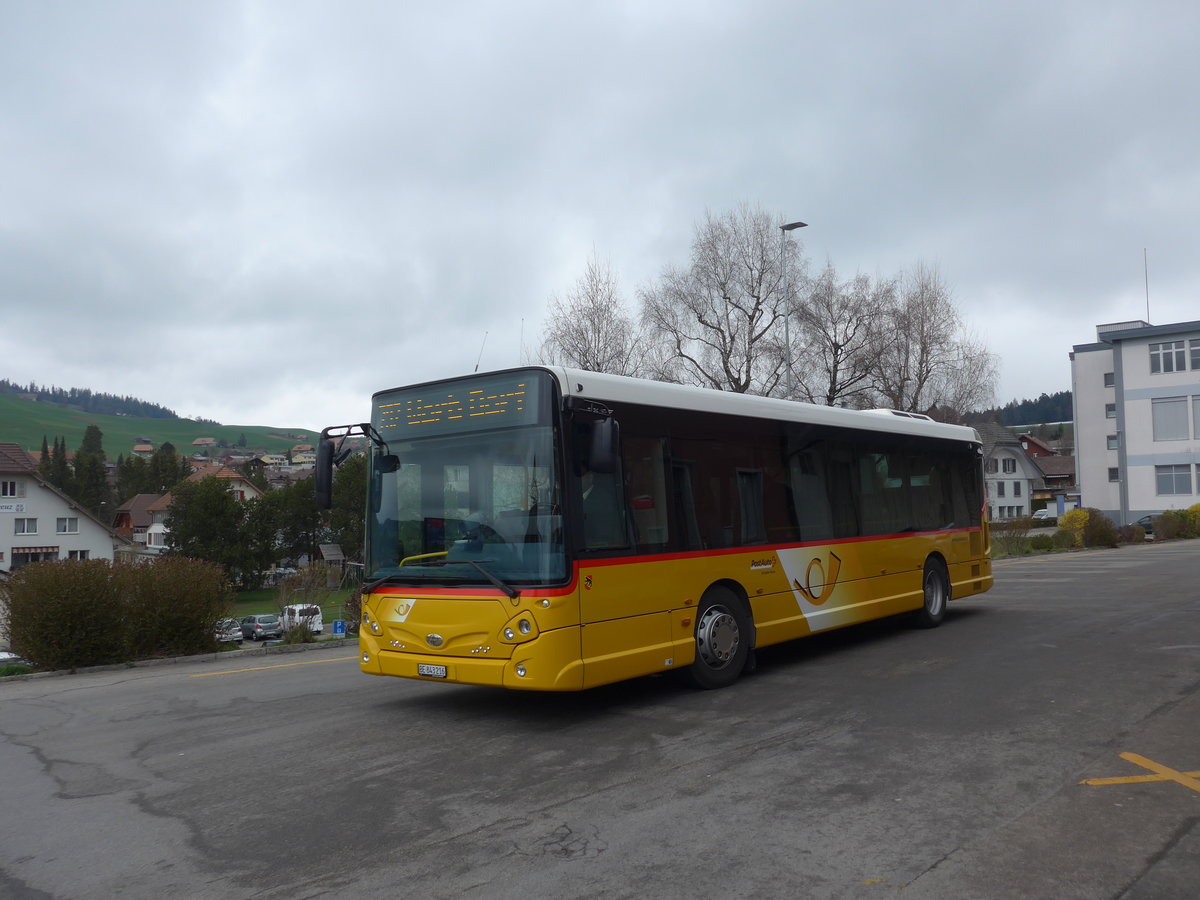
91,482
93,441
44,462
60,469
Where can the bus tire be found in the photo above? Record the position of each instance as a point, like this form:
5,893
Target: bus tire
723,638
935,588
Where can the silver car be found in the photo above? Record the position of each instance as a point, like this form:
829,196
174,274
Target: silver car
262,626
228,631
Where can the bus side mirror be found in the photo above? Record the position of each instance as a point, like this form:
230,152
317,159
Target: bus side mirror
323,477
602,454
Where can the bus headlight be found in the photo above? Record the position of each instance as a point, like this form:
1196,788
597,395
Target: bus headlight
520,670
520,628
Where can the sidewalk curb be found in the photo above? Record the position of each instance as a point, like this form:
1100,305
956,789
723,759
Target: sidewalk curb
174,660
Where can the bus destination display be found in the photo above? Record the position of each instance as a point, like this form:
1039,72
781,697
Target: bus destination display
466,406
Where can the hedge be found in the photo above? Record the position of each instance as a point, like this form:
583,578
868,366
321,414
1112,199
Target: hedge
73,613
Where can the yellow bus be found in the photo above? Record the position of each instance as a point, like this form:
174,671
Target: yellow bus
550,529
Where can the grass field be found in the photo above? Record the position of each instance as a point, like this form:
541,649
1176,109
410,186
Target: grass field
26,422
266,600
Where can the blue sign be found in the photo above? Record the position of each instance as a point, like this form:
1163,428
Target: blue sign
339,627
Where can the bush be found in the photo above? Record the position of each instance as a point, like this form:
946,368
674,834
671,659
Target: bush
1131,534
1041,542
1063,539
172,604
73,613
1175,523
66,614
1010,535
299,634
1099,530
1073,522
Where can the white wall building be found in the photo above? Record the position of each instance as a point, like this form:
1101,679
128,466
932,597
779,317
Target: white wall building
1136,393
38,522
1010,477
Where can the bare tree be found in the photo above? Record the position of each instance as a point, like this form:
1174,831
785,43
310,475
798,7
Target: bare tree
836,349
590,328
718,322
924,361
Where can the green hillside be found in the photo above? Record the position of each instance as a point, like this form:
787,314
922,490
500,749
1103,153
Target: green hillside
26,422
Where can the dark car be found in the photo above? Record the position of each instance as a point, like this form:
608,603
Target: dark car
1147,522
261,627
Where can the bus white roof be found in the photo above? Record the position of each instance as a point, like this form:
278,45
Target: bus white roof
619,389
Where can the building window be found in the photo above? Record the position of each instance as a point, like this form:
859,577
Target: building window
1169,416
989,466
78,554
1000,488
1114,474
8,489
1016,489
1196,414
1110,410
25,526
1194,344
1173,479
1010,466
67,525
1167,357
1110,379
1112,442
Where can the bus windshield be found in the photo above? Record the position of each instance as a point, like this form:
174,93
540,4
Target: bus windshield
458,503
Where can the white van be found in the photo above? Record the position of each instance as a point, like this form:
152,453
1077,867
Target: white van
302,614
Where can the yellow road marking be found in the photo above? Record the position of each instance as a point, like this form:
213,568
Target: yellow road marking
277,666
1162,773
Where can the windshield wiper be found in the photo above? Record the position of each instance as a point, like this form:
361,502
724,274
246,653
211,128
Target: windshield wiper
511,592
370,586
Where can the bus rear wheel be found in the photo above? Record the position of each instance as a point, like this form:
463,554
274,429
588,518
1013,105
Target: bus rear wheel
936,590
723,636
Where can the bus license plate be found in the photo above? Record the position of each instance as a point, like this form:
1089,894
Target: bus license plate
431,671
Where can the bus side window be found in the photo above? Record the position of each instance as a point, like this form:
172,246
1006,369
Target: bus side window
646,464
810,497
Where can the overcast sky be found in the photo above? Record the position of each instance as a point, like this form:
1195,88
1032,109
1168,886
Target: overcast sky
261,213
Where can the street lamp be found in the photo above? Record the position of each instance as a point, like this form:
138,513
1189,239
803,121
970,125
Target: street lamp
787,309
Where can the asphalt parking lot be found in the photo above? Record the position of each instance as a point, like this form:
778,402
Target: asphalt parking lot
1042,743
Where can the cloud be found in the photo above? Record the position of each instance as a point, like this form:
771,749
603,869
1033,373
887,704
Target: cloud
263,214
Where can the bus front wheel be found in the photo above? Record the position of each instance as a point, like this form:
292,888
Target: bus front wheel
936,590
723,636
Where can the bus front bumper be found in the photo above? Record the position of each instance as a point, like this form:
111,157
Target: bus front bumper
551,662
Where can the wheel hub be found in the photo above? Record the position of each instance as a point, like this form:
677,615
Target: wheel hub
717,636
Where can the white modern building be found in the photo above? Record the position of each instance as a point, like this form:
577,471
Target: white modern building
1136,393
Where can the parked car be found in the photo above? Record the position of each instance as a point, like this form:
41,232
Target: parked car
228,631
262,626
1045,514
1147,522
303,614
8,658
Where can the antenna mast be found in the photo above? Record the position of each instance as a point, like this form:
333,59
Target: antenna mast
481,346
1146,269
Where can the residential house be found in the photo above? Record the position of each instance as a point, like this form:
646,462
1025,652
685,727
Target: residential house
1010,477
1136,393
1059,492
39,522
133,518
158,535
